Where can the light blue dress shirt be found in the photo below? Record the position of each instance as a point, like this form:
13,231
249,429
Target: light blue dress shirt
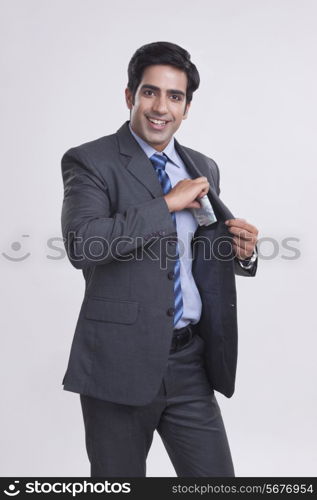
186,225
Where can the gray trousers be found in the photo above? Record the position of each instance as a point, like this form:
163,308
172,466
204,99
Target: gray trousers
185,413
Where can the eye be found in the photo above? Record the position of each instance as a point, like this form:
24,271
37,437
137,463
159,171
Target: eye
148,92
176,97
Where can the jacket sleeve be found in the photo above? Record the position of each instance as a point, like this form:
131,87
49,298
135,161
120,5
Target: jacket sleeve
93,235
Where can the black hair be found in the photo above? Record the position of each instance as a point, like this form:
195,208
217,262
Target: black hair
162,53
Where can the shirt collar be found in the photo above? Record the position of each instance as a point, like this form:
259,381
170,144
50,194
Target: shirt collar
170,150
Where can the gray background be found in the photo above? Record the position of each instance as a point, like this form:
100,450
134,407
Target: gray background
63,78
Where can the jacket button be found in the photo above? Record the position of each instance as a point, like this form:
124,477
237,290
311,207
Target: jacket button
232,305
170,311
171,275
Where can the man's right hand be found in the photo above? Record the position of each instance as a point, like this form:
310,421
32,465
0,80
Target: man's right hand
184,194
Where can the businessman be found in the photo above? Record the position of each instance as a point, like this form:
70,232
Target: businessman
157,330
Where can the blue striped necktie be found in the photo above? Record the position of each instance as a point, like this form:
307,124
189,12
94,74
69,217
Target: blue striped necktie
159,162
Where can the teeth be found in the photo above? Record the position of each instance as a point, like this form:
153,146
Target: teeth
157,122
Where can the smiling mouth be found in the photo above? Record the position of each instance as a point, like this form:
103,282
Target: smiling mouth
157,124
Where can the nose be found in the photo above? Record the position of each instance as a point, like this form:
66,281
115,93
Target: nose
160,105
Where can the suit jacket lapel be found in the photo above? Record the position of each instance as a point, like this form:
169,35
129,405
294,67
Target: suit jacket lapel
137,162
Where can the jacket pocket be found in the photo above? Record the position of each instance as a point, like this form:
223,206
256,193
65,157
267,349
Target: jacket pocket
114,311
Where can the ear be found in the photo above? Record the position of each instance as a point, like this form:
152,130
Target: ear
186,110
128,98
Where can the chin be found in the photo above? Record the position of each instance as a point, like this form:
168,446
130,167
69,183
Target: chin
154,139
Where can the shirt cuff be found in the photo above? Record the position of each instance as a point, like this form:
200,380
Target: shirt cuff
248,263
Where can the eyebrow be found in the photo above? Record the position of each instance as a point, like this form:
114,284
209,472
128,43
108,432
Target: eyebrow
170,91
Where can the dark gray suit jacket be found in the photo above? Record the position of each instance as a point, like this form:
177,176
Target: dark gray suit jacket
118,230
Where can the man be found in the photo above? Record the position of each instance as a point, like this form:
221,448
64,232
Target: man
157,330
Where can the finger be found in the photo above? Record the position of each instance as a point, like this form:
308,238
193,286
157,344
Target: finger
242,233
238,231
245,248
193,204
240,254
243,243
243,224
200,179
203,192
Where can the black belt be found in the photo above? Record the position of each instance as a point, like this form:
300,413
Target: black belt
182,337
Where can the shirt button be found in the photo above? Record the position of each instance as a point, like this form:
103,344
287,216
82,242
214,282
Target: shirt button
170,311
171,275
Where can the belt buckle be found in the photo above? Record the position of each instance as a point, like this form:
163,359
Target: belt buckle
177,341
186,336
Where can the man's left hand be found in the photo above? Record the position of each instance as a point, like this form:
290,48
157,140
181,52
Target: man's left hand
244,239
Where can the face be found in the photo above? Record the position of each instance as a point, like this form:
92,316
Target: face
159,104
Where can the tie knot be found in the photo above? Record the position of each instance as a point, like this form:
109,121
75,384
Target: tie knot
159,161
